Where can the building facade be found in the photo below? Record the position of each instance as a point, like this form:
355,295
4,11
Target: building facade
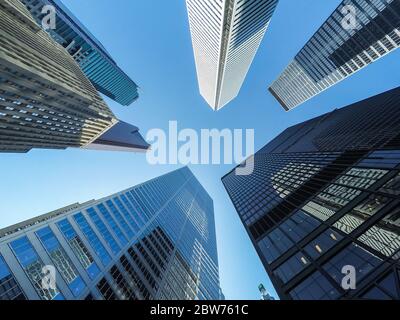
355,35
322,206
97,64
153,241
45,99
226,35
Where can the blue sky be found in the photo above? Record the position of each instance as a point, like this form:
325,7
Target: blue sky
150,40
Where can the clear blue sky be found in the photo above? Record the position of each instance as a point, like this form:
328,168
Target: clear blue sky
150,40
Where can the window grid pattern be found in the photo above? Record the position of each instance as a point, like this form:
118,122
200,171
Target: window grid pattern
49,109
351,200
336,52
173,254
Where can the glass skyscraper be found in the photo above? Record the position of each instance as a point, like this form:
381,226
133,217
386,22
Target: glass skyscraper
94,60
226,35
357,33
46,101
153,241
324,200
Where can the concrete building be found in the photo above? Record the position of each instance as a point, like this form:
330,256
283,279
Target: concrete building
356,34
45,99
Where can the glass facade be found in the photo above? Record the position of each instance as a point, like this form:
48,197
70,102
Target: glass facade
61,261
81,252
154,241
355,35
93,239
9,288
93,58
57,107
324,196
33,267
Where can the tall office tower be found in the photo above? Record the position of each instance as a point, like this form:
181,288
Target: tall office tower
354,36
322,207
45,99
153,241
226,35
93,58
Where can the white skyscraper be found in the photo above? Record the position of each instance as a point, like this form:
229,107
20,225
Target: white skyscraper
226,35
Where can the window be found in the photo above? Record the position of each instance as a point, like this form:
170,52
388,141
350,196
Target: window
134,222
342,191
361,178
384,290
382,159
113,224
315,287
319,210
104,231
78,247
146,274
384,237
392,187
128,218
135,278
140,213
362,260
376,294
9,288
93,239
89,297
322,243
117,214
33,266
293,230
123,288
361,213
289,269
61,261
274,245
299,225
106,290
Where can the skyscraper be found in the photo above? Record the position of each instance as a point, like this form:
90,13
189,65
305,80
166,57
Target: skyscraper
45,99
153,241
93,58
226,35
322,207
354,36
264,293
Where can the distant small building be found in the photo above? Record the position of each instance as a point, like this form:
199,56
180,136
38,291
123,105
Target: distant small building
264,294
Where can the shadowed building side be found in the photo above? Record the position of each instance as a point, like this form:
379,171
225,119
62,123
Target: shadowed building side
324,197
120,137
45,99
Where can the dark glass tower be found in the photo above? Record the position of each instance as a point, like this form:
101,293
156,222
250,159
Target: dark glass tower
325,197
355,35
153,241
